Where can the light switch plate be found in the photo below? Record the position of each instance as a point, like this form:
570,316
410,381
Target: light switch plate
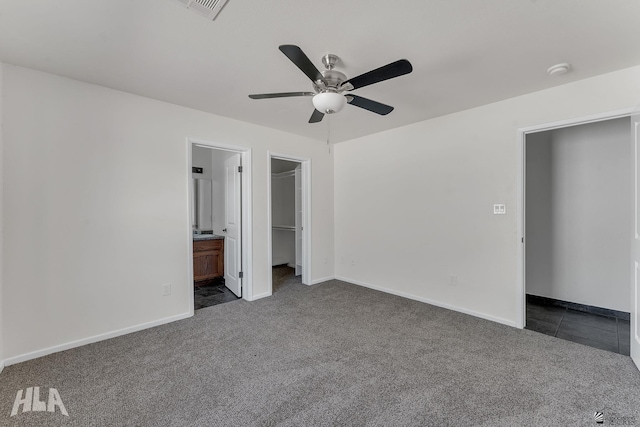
499,209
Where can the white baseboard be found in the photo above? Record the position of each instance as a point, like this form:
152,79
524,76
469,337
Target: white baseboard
321,280
1,365
430,301
259,296
95,338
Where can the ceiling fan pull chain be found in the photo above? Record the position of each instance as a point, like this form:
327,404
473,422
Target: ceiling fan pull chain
329,132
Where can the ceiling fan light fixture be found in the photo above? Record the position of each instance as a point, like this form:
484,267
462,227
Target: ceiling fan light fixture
329,102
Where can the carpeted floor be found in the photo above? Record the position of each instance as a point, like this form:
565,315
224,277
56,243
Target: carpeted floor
332,354
283,275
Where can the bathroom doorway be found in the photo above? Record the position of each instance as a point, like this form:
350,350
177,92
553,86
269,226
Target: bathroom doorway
218,216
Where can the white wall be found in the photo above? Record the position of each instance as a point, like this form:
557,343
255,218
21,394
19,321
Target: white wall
539,215
86,257
1,223
413,205
579,180
202,158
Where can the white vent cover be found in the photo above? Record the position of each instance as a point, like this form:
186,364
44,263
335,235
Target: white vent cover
207,8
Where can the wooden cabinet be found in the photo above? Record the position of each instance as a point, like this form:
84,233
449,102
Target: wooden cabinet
208,259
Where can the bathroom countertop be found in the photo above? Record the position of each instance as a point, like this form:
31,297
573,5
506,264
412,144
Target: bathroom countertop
207,237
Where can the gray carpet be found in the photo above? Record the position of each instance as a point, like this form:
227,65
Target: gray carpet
281,276
333,354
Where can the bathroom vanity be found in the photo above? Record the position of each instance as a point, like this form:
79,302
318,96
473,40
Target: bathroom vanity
208,257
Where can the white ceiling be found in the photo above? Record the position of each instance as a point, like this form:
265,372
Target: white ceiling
465,53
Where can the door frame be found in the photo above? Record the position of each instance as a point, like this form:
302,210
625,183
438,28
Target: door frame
305,166
521,294
246,221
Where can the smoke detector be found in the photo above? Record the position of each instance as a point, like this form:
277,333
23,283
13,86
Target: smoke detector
559,69
207,8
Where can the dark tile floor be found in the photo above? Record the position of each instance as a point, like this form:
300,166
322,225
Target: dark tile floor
605,333
212,292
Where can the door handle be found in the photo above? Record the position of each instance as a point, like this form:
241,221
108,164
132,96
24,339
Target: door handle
224,230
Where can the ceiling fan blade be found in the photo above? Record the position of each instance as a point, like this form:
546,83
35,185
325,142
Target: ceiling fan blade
316,116
370,105
389,71
280,95
297,56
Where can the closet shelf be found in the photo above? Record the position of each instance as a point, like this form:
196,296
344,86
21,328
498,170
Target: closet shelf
283,227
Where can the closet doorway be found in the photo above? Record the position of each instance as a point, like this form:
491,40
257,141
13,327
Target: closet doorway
288,219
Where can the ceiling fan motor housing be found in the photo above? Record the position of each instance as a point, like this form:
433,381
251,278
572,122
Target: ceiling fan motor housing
334,78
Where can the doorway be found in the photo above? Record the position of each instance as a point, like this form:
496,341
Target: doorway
289,219
576,226
219,232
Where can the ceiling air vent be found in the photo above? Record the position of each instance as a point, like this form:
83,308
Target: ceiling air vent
206,8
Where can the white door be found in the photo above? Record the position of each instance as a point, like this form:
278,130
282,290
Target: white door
635,243
232,222
298,203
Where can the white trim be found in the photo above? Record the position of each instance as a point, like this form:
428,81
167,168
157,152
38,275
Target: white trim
430,301
599,117
322,280
262,295
219,146
2,297
635,181
306,220
635,303
247,226
634,292
190,297
247,213
521,303
520,202
93,339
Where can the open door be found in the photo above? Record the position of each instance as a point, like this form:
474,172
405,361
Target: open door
635,243
232,222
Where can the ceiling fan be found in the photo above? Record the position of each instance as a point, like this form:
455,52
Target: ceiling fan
329,86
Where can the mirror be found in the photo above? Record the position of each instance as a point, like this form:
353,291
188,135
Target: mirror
203,205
